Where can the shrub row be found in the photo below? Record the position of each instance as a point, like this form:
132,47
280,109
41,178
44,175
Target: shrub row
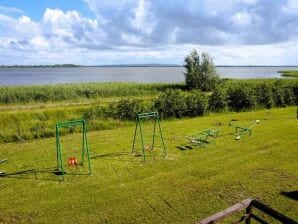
240,96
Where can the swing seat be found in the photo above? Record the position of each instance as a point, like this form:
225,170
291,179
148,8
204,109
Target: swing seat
204,137
72,161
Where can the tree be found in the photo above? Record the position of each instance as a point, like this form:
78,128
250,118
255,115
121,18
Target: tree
200,72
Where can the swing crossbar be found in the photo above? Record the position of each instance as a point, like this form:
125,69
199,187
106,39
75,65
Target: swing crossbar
71,123
147,115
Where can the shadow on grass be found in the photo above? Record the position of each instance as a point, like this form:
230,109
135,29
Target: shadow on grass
184,147
25,174
117,156
291,194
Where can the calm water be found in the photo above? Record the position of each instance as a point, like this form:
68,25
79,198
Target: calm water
29,76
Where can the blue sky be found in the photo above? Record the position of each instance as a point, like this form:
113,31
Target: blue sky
97,32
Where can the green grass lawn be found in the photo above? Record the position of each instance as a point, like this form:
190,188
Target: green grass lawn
185,187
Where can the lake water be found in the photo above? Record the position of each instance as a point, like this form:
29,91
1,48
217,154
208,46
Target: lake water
30,76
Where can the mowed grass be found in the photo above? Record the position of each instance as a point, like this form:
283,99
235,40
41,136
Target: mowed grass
186,186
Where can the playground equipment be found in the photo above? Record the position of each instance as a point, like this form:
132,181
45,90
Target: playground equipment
242,130
139,118
72,161
204,137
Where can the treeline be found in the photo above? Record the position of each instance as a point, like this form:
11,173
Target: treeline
55,93
42,66
170,103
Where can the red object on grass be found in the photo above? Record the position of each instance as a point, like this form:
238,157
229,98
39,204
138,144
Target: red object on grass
72,161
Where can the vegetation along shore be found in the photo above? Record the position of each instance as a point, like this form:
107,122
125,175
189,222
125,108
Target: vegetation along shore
290,73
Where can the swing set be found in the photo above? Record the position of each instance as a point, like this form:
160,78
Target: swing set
72,160
145,116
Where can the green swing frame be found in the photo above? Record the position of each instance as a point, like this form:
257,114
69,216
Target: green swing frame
85,147
139,118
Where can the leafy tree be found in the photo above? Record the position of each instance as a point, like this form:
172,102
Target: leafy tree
200,72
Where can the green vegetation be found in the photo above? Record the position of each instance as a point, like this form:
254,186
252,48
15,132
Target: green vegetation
289,73
200,72
185,187
108,106
69,92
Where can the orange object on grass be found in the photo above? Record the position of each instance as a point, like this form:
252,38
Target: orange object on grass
72,161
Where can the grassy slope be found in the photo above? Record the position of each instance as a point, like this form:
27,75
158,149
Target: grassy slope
185,187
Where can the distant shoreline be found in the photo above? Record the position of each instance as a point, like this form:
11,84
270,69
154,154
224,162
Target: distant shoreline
128,65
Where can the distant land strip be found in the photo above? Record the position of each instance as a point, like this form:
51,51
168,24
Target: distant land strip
288,73
131,65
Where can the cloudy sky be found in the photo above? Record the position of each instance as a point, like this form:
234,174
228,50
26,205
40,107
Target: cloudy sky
97,32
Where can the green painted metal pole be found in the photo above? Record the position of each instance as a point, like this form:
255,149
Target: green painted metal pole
143,147
88,151
153,138
134,137
83,143
164,147
57,151
60,169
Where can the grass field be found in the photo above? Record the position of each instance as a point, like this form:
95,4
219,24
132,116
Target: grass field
185,187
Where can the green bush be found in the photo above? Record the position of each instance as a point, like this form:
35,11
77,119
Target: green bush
218,100
263,94
125,109
278,94
171,103
177,104
196,104
240,97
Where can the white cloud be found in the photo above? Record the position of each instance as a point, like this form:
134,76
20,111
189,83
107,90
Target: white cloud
242,19
10,10
291,7
142,19
40,42
143,31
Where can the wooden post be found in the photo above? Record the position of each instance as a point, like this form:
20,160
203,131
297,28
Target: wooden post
229,211
248,213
